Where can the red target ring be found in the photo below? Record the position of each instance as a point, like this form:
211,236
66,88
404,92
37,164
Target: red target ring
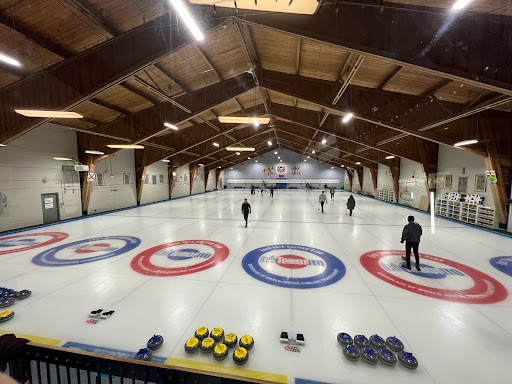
54,238
486,290
143,265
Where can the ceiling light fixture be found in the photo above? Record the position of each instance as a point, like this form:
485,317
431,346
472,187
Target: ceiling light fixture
189,21
390,157
2,145
201,165
459,4
62,158
215,144
269,142
278,157
256,161
243,120
166,161
324,141
230,168
95,152
280,161
304,160
48,114
342,166
347,117
171,126
9,60
219,167
238,153
125,146
308,157
255,123
246,149
275,152
358,163
332,167
465,142
313,152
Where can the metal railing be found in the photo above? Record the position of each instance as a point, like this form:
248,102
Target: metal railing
41,364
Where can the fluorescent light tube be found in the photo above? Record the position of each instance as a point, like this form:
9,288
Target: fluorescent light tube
166,161
358,163
189,21
95,152
171,126
459,4
465,142
215,144
9,60
62,158
51,114
243,120
125,146
246,149
269,142
390,157
324,141
347,117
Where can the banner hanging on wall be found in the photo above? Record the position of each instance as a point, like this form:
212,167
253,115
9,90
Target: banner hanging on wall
91,177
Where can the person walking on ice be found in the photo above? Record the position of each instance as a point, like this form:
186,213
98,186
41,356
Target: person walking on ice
272,190
411,235
246,209
351,204
332,192
322,199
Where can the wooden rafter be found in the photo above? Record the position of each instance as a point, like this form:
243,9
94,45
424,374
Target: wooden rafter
208,61
87,8
388,78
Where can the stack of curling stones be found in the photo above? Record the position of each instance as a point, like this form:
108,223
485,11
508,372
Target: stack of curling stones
376,349
218,343
7,298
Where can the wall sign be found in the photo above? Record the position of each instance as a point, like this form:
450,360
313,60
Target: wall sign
293,266
187,256
20,243
468,284
86,251
491,176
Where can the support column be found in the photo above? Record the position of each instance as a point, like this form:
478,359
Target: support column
394,168
87,187
171,170
206,174
192,176
499,194
374,171
141,171
217,178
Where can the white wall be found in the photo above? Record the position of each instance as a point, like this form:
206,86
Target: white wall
182,177
367,182
211,180
159,191
24,163
451,161
384,178
355,181
114,194
222,179
412,180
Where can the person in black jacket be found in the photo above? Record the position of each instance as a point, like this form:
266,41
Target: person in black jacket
411,235
351,204
246,209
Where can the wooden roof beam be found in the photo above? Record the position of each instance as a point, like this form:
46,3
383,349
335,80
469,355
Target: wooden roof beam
314,91
67,85
35,38
110,106
139,93
171,77
388,78
435,88
342,29
208,61
90,10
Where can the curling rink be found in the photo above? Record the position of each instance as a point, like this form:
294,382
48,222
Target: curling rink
172,267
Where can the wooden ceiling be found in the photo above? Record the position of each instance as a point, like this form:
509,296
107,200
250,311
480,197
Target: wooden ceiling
128,66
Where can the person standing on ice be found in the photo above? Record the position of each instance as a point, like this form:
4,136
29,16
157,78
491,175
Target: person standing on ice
271,190
252,189
246,209
411,235
351,204
332,192
322,199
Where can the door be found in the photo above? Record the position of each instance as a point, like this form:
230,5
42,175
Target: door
50,204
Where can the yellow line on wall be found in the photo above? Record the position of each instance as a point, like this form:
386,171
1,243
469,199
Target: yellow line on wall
222,369
35,339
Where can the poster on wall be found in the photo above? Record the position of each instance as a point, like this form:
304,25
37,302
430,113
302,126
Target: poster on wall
448,181
154,179
281,169
126,178
184,177
463,185
480,182
100,182
146,179
3,203
161,179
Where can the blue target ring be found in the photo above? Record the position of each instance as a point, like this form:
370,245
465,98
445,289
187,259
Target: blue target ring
503,264
49,259
334,271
